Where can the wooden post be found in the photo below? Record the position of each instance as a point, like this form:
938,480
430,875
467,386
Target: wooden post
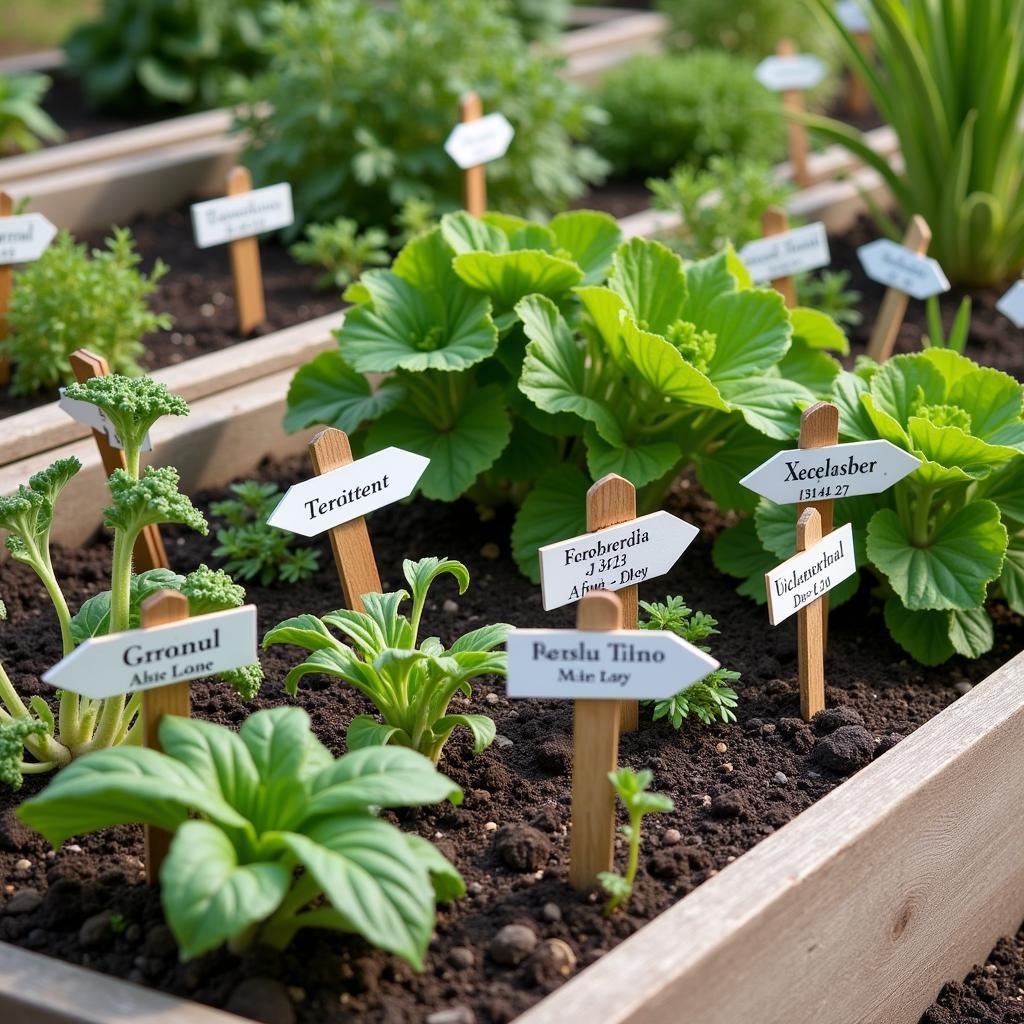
6,285
471,108
612,500
775,221
793,102
245,264
811,628
858,97
894,306
157,609
350,542
595,753
149,552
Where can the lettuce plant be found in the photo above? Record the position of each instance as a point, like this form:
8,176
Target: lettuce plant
525,360
410,682
942,539
138,499
271,833
23,122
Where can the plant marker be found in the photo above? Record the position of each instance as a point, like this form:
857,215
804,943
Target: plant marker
775,221
475,142
811,624
855,21
923,276
245,264
149,551
1011,305
782,252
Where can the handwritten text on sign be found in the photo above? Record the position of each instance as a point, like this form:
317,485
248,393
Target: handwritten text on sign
1011,305
624,664
24,238
479,142
809,575
898,267
229,218
790,74
140,659
837,471
790,253
323,502
90,415
611,559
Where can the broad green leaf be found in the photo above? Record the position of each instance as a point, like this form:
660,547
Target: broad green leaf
768,404
507,223
591,238
887,427
854,422
993,401
1006,488
950,364
738,551
640,462
533,236
426,263
528,453
902,383
924,635
818,330
486,638
303,631
649,277
465,233
482,728
448,883
723,463
93,618
971,632
1012,579
507,277
605,308
813,369
752,333
952,448
707,280
165,81
554,510
365,731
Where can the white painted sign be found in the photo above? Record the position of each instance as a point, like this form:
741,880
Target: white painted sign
611,559
898,267
24,238
229,218
90,415
472,143
792,252
837,471
805,577
141,659
852,16
622,664
323,502
1011,305
799,72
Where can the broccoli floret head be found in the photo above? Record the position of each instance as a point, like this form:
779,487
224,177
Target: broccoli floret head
245,680
211,590
153,498
28,513
12,746
133,404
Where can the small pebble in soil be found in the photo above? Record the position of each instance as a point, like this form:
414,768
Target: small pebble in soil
450,607
95,930
962,688
502,742
551,912
513,944
23,866
721,747
490,551
846,750
454,1015
490,826
24,901
474,888
207,309
492,698
462,957
521,848
671,837
262,999
781,778
554,956
727,767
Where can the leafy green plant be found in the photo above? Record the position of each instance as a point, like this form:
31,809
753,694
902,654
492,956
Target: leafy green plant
540,19
633,790
414,218
139,55
686,109
719,204
828,293
948,76
944,537
250,547
137,500
959,331
271,833
362,105
24,125
410,682
711,699
70,299
342,250
525,360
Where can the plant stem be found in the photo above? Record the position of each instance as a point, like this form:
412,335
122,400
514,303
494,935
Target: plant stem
121,581
920,536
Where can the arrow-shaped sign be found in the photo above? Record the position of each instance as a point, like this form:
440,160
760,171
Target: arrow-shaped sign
472,143
1011,305
624,664
24,238
141,659
323,502
93,416
610,559
837,471
228,218
795,73
898,267
786,254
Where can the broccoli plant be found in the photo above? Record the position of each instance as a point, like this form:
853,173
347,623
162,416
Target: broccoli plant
632,790
711,698
250,547
137,500
342,250
271,834
410,682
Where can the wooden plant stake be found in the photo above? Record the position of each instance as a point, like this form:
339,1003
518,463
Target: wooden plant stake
775,221
793,101
245,264
6,284
612,500
474,181
858,97
149,552
595,753
811,621
894,306
350,542
158,609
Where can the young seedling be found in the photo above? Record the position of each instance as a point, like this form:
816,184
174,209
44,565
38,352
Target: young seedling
342,251
632,790
936,337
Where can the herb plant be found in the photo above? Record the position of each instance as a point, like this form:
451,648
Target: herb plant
540,19
827,292
342,251
942,539
711,699
250,547
948,75
137,500
410,682
271,833
24,125
362,102
70,299
633,790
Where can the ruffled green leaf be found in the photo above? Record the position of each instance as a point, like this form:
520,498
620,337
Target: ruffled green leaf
591,238
554,510
649,278
507,277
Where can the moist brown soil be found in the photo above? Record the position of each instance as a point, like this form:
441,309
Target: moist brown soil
732,784
198,293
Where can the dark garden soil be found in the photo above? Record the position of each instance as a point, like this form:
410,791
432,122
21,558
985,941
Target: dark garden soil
732,785
198,293
993,340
